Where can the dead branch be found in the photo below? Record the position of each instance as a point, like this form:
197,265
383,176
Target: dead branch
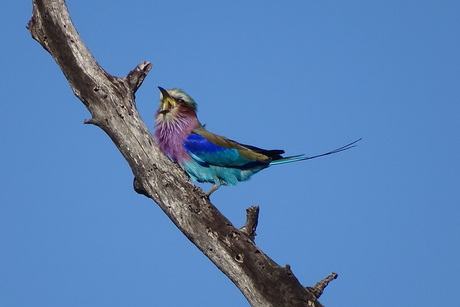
110,100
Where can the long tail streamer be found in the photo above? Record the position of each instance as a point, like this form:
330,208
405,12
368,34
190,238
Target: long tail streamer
302,157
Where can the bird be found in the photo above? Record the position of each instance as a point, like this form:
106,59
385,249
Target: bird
208,157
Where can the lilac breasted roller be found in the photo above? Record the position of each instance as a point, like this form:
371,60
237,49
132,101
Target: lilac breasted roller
205,156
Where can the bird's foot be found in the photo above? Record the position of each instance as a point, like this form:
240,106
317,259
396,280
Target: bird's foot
213,189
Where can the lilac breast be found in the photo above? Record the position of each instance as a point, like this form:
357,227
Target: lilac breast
171,135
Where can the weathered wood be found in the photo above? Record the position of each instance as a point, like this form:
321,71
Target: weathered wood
110,100
252,219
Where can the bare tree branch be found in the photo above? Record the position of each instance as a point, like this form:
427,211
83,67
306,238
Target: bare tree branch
318,289
110,100
252,219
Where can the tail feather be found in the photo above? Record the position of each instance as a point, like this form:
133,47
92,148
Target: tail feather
302,157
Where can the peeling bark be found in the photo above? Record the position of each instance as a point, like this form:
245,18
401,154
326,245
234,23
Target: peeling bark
111,102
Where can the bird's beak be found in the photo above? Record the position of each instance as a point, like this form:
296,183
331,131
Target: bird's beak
167,102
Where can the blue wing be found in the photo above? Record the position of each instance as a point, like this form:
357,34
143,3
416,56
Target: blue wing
206,152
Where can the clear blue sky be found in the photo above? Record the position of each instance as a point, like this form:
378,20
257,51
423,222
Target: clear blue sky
305,76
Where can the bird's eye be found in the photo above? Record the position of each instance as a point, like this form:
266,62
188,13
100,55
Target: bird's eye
180,100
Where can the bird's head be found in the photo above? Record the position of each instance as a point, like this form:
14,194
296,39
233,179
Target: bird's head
174,103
